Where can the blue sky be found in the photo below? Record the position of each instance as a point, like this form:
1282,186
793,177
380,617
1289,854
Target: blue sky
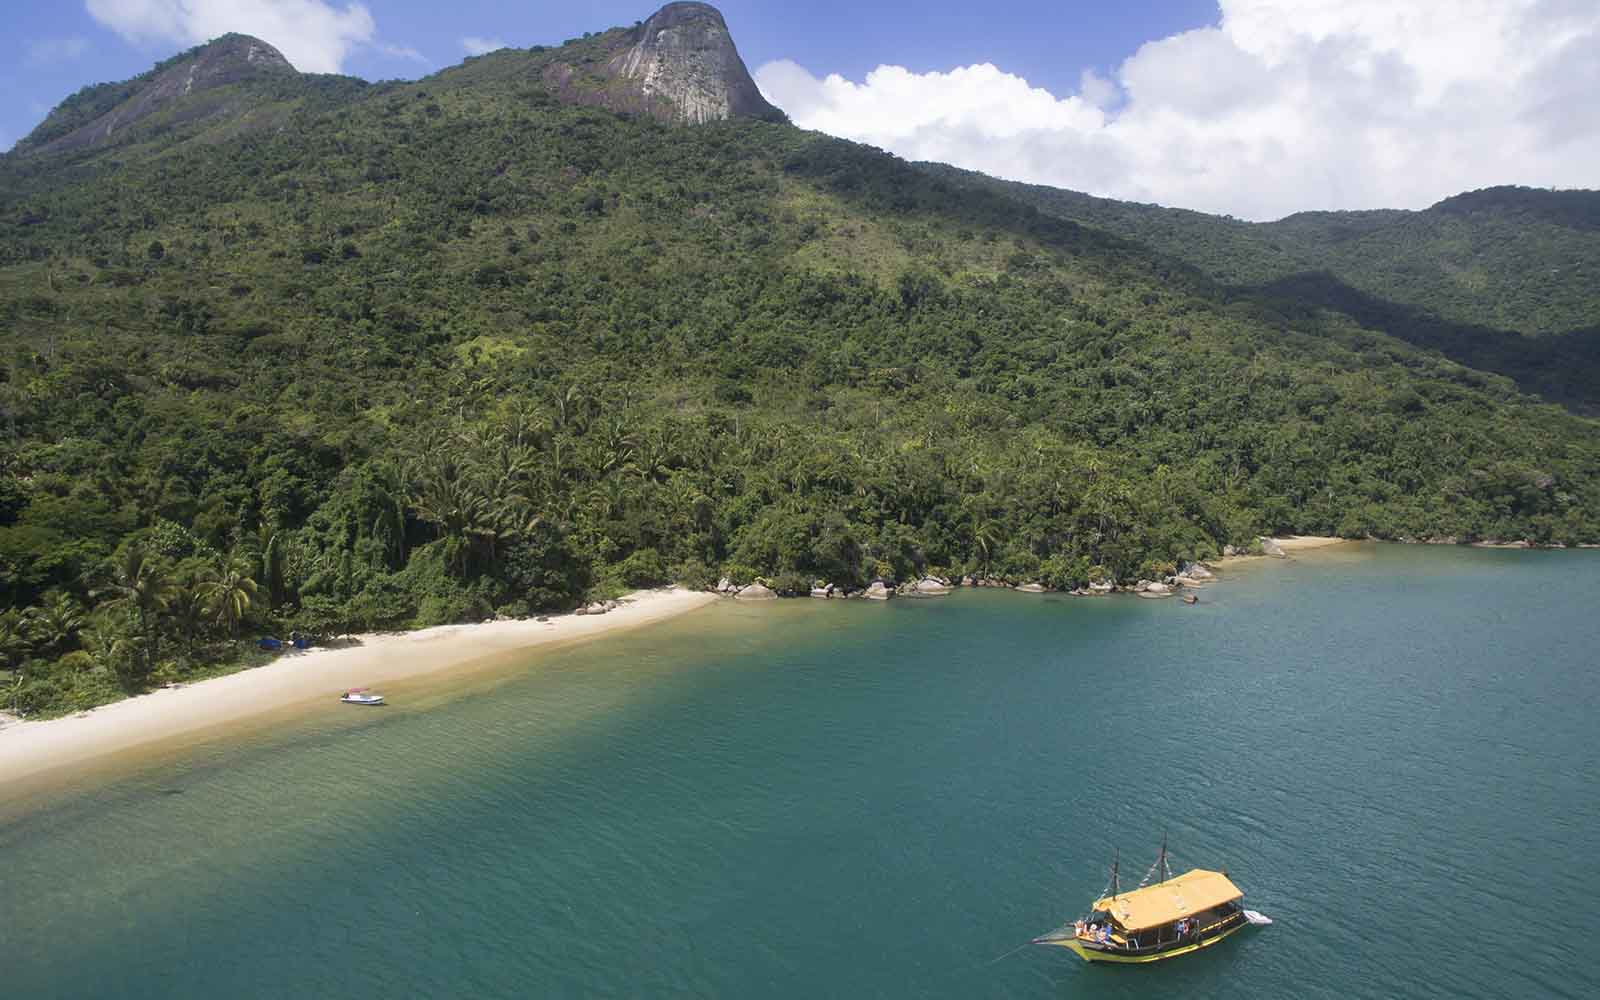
1249,107
53,49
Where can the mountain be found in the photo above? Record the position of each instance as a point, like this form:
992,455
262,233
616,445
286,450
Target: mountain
1502,279
679,66
482,344
218,80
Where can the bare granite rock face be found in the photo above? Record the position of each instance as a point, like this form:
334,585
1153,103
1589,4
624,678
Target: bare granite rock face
680,66
685,56
188,88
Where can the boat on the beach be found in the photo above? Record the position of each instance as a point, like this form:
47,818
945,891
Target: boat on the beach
1172,916
361,696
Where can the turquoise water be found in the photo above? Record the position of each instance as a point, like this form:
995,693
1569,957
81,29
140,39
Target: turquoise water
1392,751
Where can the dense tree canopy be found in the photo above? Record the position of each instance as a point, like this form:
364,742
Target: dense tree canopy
431,352
1502,279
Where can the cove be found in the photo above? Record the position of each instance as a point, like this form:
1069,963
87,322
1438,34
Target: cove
1390,749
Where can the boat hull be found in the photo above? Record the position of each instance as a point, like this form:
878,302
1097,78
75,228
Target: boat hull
1091,954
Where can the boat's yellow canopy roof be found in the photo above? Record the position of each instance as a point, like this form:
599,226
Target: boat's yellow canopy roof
1174,899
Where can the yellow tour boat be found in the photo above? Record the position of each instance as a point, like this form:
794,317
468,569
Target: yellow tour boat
1171,917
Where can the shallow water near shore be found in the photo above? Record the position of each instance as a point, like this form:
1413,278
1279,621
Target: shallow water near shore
1390,749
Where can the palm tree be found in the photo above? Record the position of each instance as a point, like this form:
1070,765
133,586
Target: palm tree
447,497
272,557
575,408
229,594
140,583
187,608
14,647
104,648
56,622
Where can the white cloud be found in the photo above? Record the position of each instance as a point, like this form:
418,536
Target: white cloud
314,35
50,51
476,46
401,52
1285,105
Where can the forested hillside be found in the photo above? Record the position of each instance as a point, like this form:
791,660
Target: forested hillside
1503,279
430,352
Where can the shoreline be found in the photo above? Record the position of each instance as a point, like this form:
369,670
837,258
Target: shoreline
202,710
31,749
1291,546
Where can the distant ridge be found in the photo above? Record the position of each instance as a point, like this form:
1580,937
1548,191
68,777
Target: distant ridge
1501,279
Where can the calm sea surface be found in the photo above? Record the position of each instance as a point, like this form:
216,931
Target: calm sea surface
1392,750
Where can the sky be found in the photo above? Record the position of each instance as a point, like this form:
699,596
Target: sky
1250,108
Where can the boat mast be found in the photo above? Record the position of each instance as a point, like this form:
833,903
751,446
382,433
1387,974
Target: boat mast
1116,861
1161,863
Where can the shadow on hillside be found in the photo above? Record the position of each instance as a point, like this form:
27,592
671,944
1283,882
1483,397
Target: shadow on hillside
1563,368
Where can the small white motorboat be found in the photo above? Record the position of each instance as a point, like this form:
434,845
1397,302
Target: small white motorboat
361,696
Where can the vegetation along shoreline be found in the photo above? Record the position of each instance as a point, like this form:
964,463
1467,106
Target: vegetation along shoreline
290,355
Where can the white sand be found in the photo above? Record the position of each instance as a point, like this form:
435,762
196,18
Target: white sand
1290,544
29,748
1298,543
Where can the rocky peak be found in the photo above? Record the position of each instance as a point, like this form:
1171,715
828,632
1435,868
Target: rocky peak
231,58
685,54
679,66
98,116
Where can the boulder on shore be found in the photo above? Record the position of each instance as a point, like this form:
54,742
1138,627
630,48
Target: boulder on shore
1198,571
822,590
725,586
878,591
930,586
1229,551
1032,588
756,592
1097,587
1157,589
597,608
969,581
1273,549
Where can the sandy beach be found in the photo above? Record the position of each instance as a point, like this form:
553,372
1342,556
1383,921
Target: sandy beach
1290,544
28,749
1299,543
